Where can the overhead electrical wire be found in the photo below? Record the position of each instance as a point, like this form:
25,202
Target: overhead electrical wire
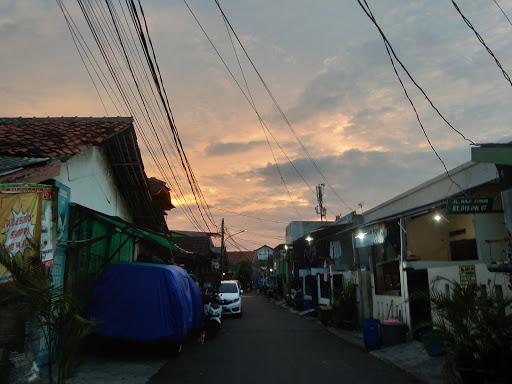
482,41
278,107
247,97
106,49
192,175
392,57
249,216
368,12
114,34
253,103
154,68
502,11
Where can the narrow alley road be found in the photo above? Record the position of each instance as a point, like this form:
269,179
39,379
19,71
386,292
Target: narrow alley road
271,345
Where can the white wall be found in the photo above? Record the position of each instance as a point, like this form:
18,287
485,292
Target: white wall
483,276
297,229
92,184
264,253
390,307
491,226
468,175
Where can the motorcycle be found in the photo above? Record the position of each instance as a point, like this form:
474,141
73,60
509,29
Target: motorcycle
212,317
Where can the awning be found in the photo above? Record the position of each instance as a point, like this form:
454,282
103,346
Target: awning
130,229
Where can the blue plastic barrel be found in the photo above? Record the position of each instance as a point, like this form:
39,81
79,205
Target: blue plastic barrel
371,333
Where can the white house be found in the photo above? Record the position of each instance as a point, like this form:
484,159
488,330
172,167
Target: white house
263,253
421,240
100,191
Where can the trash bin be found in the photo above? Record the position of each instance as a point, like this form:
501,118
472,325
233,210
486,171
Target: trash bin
371,333
393,332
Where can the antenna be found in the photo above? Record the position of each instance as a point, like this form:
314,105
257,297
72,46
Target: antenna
320,209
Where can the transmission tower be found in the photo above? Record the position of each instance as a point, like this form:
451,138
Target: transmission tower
320,209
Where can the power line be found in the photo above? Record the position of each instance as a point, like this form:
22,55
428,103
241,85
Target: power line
248,216
103,49
481,40
139,75
369,13
392,57
260,120
155,70
247,98
502,11
278,107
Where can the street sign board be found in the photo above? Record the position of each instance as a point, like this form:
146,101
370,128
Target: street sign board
464,205
467,274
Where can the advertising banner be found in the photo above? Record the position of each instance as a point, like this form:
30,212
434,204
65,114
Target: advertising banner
20,226
48,219
63,199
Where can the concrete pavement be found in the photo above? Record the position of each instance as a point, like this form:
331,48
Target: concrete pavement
269,345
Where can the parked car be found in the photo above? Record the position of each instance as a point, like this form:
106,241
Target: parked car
230,296
148,303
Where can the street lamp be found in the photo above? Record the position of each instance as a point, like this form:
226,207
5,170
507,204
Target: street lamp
361,235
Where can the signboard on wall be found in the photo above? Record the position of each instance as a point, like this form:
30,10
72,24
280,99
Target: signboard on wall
465,205
467,275
20,226
63,199
48,219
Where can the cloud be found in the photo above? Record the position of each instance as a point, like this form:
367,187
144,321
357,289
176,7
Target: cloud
234,147
369,176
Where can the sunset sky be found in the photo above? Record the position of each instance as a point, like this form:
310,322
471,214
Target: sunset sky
326,65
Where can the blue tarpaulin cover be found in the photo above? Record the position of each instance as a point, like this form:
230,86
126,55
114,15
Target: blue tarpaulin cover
146,302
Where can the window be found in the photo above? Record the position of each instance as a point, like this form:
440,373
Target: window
463,250
228,288
387,278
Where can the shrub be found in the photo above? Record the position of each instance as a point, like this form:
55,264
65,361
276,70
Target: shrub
476,328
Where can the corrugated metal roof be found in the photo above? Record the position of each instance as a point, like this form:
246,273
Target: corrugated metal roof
10,164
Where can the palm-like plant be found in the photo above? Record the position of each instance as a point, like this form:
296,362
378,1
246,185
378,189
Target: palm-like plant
55,313
345,307
476,328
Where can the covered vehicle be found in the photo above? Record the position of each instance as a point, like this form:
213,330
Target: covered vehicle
146,302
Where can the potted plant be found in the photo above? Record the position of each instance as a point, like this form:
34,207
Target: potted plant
475,327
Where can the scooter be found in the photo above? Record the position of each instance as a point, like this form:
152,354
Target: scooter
212,318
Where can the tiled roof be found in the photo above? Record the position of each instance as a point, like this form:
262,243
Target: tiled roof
199,243
57,137
235,258
156,185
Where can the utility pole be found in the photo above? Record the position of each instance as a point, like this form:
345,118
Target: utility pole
222,247
320,209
